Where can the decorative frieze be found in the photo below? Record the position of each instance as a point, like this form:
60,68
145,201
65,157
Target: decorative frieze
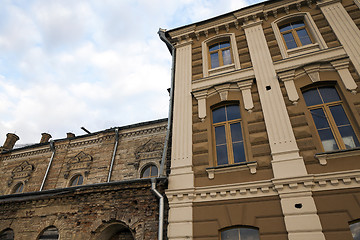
21,173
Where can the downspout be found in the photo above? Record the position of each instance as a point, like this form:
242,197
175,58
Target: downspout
114,153
52,147
171,48
161,208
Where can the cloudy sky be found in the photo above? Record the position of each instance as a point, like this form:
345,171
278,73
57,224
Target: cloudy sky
65,64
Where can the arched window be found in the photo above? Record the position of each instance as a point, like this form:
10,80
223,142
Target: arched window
229,143
355,230
149,171
19,188
240,233
76,180
331,121
50,233
7,234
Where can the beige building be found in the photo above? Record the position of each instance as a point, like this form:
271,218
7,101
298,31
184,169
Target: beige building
94,186
265,140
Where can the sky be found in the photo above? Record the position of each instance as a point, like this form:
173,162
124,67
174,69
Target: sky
97,64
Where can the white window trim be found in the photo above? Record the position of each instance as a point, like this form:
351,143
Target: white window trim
227,68
310,25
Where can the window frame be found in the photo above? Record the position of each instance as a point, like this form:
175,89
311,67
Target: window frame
294,33
312,30
145,167
46,229
17,186
206,60
330,119
228,137
239,228
73,178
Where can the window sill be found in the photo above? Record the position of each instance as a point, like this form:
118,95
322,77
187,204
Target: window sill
231,168
323,157
303,50
221,69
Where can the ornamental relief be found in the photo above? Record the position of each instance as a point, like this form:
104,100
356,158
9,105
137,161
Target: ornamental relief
22,172
81,161
151,150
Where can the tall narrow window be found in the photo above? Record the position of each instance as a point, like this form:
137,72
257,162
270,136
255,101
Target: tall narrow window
240,233
331,121
295,34
220,54
229,143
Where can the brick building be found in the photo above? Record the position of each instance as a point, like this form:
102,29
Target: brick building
95,186
266,123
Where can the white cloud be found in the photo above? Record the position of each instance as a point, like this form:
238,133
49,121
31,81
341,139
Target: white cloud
98,64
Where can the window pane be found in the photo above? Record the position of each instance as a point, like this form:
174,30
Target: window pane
219,115
319,118
154,171
7,235
327,139
236,134
298,24
226,57
80,180
249,234
221,155
349,137
355,230
224,45
233,112
339,115
285,27
231,234
329,94
239,152
304,37
146,173
214,59
214,47
312,97
220,136
50,233
289,40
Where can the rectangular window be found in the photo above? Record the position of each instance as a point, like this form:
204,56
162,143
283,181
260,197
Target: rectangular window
220,54
332,123
229,143
295,34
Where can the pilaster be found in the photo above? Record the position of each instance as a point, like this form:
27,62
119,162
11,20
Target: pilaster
344,28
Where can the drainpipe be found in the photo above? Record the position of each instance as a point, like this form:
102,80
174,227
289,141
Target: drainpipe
113,156
161,208
52,147
171,48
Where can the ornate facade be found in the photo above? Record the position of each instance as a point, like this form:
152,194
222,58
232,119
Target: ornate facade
266,123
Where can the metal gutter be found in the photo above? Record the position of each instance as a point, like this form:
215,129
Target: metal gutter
114,153
161,209
52,147
162,35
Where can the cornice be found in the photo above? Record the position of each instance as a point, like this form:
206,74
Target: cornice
272,187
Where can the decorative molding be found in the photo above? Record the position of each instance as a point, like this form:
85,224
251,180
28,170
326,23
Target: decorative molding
313,72
81,161
245,88
251,166
201,98
223,91
342,67
324,157
288,79
21,173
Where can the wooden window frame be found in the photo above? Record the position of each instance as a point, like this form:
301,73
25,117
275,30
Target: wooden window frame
229,147
17,186
330,119
146,167
294,33
76,177
219,52
239,228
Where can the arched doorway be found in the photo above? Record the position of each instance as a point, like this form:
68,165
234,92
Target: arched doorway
115,231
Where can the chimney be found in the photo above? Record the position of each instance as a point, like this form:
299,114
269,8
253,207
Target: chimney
10,141
45,137
70,135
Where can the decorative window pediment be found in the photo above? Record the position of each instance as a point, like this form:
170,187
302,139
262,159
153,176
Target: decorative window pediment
81,161
150,150
21,173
